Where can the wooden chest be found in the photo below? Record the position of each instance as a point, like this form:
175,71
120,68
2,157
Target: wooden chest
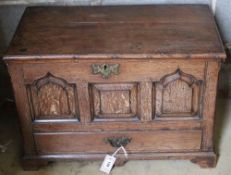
89,79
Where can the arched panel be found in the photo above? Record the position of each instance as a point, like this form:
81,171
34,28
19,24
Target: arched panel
53,98
178,95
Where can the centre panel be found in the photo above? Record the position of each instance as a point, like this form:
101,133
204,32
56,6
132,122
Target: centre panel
114,101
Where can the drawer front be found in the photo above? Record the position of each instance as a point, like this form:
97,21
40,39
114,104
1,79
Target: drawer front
102,142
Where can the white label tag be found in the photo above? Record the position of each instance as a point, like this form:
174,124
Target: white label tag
107,164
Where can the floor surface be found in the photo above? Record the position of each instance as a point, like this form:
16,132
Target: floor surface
9,160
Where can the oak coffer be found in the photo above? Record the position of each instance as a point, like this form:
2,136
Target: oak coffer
89,79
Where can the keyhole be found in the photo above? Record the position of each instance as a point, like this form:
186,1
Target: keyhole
105,67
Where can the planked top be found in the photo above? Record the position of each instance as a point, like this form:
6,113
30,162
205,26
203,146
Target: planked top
147,31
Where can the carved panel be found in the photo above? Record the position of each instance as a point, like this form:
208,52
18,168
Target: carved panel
52,98
118,101
178,95
119,105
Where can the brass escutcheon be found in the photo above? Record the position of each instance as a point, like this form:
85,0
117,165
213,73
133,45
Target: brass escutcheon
105,69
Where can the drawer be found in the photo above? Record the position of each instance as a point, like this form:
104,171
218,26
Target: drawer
101,142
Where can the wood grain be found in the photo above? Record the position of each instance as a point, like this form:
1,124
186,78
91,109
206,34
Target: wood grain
114,100
84,102
20,95
177,98
164,141
145,100
178,94
130,70
52,98
109,125
167,31
211,73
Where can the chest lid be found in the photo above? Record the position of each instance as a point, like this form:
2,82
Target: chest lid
160,31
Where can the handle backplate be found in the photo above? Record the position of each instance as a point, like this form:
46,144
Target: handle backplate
118,141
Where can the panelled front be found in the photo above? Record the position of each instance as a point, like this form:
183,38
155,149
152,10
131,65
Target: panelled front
148,97
144,91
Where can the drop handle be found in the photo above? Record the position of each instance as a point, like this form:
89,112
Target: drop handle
118,141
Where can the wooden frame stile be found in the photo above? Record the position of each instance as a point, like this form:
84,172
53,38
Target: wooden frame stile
146,101
208,111
29,149
84,102
210,93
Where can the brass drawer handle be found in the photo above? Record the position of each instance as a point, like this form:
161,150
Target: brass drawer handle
118,141
105,69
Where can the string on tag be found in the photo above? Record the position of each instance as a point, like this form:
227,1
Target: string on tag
124,150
